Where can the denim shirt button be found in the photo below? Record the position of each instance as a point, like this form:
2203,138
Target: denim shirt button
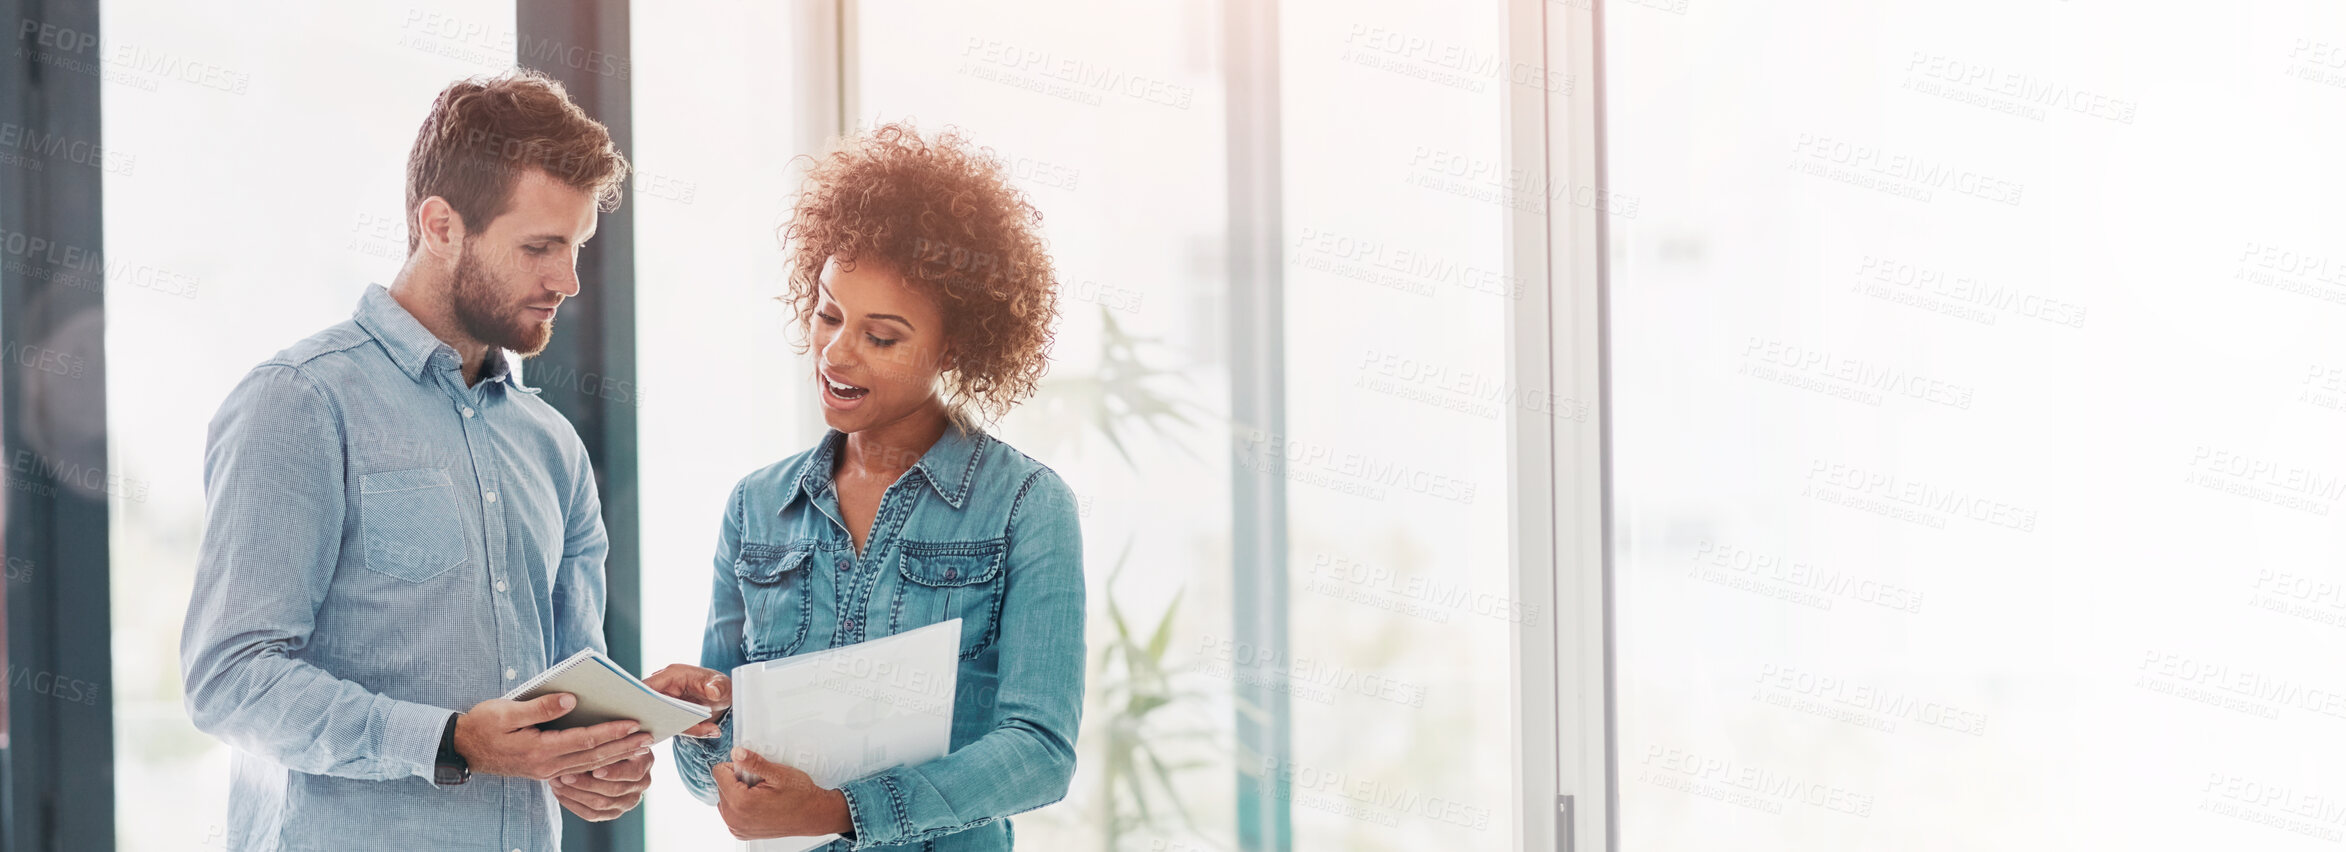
951,573
843,565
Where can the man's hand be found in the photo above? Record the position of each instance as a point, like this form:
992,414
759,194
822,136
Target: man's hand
701,686
760,798
501,737
605,793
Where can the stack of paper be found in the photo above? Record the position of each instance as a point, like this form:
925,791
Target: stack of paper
844,713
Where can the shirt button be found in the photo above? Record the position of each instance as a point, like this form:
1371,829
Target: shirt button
491,496
842,564
468,412
509,674
500,585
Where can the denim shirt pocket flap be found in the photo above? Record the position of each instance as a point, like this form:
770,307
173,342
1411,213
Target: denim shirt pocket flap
403,480
411,525
764,564
944,565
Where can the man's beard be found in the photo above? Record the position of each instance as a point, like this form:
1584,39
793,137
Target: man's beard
491,322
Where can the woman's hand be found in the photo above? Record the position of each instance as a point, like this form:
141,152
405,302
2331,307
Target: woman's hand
760,798
701,686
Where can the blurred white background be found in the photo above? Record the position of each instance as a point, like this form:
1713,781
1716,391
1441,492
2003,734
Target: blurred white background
1976,369
1977,424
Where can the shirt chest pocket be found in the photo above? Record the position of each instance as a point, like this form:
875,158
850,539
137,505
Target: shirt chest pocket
775,600
940,581
411,523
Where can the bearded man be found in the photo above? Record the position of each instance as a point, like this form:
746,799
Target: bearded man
397,531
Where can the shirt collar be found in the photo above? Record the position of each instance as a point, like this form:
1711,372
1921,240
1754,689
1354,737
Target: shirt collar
949,467
414,348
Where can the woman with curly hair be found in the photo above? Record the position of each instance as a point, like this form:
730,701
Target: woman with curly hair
919,274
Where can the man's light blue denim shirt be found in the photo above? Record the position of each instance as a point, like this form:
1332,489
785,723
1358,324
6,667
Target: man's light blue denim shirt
383,545
975,530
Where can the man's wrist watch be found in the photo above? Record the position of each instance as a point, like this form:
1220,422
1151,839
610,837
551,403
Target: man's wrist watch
450,769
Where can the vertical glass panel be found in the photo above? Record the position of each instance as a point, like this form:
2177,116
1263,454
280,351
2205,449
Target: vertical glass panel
1977,373
1111,120
1397,564
1397,400
260,190
720,393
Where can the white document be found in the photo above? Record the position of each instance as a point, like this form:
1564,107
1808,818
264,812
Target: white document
844,713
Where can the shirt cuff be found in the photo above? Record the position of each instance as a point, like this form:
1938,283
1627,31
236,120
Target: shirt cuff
873,814
411,736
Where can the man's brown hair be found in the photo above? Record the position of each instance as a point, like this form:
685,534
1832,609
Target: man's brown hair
484,132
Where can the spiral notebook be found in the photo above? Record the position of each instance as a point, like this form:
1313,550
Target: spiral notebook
607,693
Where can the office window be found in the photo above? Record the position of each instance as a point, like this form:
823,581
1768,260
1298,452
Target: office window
284,132
1112,124
1397,396
1977,374
1394,518
719,392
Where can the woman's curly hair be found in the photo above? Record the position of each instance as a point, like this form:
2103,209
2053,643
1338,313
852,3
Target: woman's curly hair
944,214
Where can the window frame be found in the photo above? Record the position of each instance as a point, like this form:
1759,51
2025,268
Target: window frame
59,778
1560,476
